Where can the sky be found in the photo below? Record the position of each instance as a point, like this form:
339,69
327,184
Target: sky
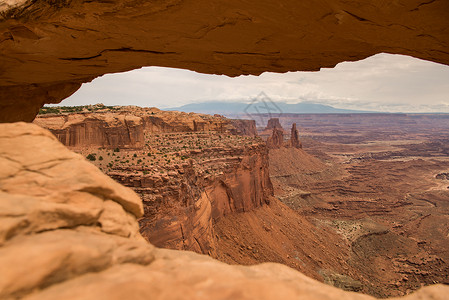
383,82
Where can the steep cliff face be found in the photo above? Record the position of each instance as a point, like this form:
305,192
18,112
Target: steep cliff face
190,169
294,137
80,240
182,206
276,139
243,127
106,130
274,123
156,120
50,47
124,127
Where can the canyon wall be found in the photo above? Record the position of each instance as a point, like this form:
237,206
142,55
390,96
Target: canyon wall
125,127
49,48
182,206
78,234
96,130
156,120
243,127
183,201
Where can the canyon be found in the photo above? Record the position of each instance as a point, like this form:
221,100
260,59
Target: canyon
376,180
326,210
79,235
69,231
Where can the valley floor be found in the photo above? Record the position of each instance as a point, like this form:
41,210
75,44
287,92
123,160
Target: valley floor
379,193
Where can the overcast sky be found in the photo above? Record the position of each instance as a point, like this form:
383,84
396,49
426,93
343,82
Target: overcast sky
384,82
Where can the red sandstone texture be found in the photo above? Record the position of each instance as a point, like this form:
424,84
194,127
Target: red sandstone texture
210,192
124,127
49,48
379,184
190,169
294,137
78,234
274,123
243,127
276,138
204,191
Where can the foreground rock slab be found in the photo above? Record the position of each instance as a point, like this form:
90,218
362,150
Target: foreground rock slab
70,232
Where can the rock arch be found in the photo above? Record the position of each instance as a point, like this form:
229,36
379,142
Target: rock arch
49,48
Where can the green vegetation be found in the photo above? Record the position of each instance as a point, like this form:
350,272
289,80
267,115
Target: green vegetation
91,157
75,109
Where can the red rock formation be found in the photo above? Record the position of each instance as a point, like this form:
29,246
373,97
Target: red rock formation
274,123
156,120
276,140
294,138
124,127
243,127
50,47
81,239
108,130
182,206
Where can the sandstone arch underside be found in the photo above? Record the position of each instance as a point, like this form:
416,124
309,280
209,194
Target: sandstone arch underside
50,47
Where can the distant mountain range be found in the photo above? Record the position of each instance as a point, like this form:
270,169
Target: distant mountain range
233,109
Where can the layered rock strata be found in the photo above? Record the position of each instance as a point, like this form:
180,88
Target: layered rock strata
78,235
49,48
243,127
108,130
276,139
183,199
124,127
273,123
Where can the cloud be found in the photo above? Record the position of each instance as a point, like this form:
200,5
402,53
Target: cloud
383,82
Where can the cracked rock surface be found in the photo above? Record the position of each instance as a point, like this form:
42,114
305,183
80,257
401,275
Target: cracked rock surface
50,47
67,231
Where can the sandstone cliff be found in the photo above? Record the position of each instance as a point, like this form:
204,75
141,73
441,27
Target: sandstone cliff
108,130
276,139
224,173
78,235
243,127
124,127
294,137
182,205
273,123
50,47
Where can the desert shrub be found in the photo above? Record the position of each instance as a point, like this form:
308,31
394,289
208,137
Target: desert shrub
116,150
91,157
100,158
48,110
